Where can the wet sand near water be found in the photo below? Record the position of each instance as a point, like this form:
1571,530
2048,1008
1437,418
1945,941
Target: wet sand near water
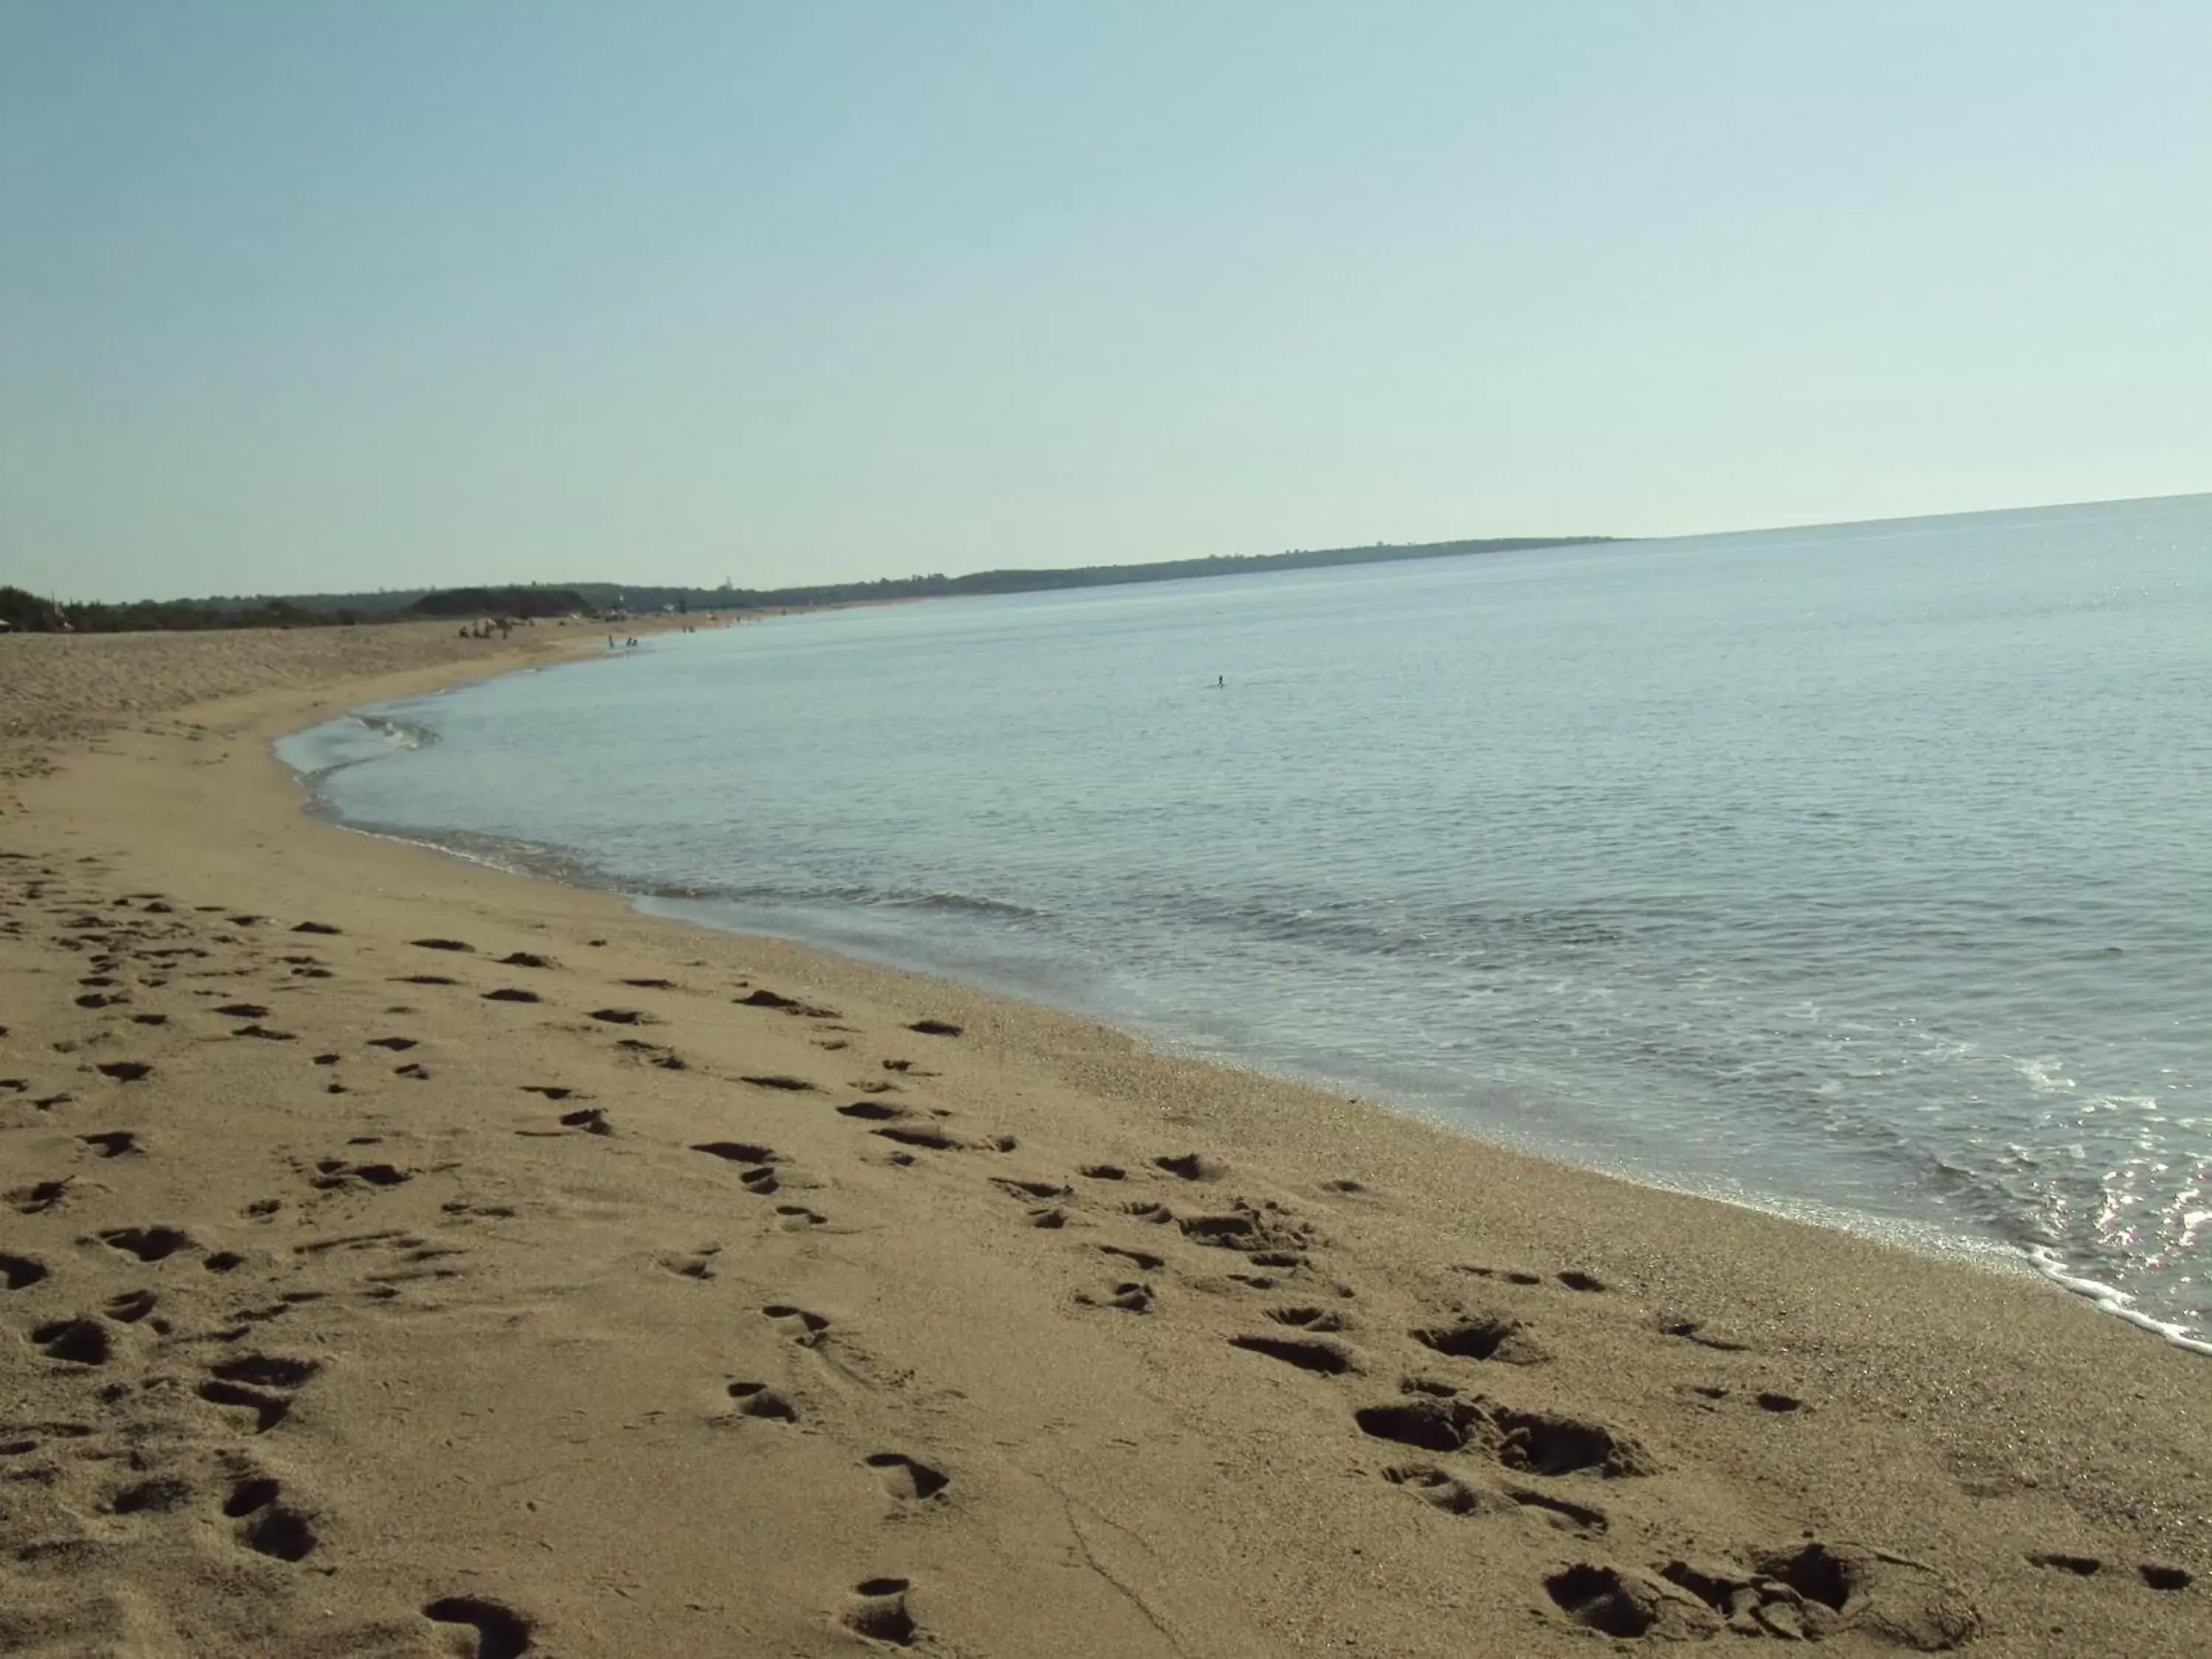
398,1256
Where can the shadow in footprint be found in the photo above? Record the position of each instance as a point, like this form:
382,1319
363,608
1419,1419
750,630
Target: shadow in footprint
129,1307
879,1610
79,1341
501,1632
758,1399
148,1244
1690,1331
873,1111
935,1140
1599,1598
1307,1353
907,1478
736,1151
1132,1295
282,1532
803,1327
157,1497
1481,1337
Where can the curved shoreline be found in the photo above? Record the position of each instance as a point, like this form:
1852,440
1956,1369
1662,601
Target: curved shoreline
1076,1357
1988,1252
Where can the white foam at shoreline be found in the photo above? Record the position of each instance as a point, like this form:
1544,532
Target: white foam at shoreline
2115,1302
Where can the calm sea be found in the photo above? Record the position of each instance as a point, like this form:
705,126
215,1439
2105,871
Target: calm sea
1863,872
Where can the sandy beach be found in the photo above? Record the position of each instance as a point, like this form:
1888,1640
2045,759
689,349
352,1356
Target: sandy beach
402,1257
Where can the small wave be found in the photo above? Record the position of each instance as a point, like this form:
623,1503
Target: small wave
960,904
400,734
2113,1301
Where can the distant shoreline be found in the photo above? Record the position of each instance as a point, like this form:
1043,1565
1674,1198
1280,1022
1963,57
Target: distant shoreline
398,604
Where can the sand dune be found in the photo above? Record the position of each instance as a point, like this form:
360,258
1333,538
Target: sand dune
398,1257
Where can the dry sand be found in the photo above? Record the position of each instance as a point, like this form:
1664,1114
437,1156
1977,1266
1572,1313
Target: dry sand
401,1257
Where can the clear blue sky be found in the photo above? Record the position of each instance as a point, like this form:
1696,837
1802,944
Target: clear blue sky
298,295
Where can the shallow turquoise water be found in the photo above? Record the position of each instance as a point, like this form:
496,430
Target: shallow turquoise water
1860,871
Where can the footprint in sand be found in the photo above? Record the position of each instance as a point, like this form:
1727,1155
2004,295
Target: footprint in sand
1192,1166
501,1632
78,1341
1454,1496
263,1384
334,1173
1690,1330
1767,1399
154,1243
699,1264
1533,1442
786,1005
1309,1318
800,1325
935,1140
129,1307
738,1151
877,1608
874,1111
1143,1260
1483,1337
1129,1295
161,1495
1308,1353
268,1526
39,1197
907,1478
758,1399
20,1272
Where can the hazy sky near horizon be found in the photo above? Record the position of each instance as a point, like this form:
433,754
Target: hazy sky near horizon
299,297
